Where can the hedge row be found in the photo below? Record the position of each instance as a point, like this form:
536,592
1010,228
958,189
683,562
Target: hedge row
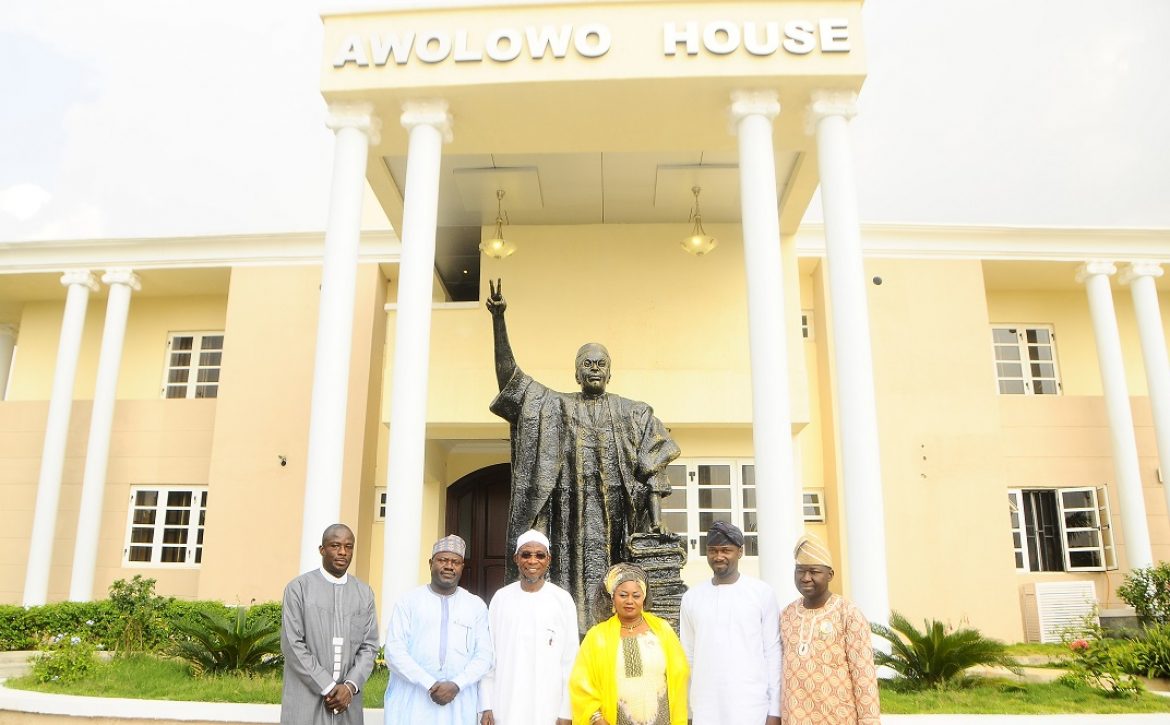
103,622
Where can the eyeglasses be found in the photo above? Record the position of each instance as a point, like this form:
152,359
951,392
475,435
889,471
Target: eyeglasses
538,555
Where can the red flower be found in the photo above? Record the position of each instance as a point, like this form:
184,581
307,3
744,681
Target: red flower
1079,645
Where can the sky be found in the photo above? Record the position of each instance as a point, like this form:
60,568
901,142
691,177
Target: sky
137,118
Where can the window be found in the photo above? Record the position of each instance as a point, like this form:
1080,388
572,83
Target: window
380,503
814,507
193,361
165,526
1025,360
1062,529
806,324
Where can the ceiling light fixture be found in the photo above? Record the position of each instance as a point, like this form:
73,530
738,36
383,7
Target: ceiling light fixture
497,247
699,242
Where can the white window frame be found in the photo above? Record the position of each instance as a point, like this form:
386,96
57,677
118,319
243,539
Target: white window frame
195,527
380,503
806,325
693,536
1100,524
193,385
1023,350
813,505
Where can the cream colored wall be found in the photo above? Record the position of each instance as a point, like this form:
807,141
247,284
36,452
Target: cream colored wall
153,442
144,355
263,414
947,540
1068,312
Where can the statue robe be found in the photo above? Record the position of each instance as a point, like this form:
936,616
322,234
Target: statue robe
582,472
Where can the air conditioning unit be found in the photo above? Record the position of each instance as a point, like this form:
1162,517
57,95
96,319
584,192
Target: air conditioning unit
1051,608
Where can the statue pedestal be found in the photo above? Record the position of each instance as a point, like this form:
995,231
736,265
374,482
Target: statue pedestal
662,556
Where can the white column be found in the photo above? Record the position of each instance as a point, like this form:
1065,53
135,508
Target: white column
97,455
778,502
7,347
829,115
1095,276
429,125
355,128
40,552
1140,277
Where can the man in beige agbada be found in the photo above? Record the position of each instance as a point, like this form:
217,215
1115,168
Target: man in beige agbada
828,673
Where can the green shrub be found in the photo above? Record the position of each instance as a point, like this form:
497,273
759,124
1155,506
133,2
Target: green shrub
13,633
1103,664
937,656
1151,653
241,642
139,610
1147,590
66,658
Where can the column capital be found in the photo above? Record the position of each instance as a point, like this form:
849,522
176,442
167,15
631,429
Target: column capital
1139,269
82,277
124,276
354,115
428,112
1095,267
753,103
824,103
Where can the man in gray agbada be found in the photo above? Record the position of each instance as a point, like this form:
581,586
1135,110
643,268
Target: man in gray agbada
329,638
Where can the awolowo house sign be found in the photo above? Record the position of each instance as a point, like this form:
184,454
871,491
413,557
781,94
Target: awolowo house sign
590,40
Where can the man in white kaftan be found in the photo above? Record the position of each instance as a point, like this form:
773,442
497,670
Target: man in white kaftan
731,635
437,647
329,638
533,624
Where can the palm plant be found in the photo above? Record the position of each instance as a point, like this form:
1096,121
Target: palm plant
212,642
938,655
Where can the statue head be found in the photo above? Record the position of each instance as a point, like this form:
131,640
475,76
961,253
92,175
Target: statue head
593,368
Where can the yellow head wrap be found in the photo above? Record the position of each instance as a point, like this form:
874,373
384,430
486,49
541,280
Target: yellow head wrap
621,572
811,551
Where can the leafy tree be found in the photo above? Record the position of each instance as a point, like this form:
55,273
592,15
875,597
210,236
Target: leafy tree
139,613
938,655
212,642
1147,590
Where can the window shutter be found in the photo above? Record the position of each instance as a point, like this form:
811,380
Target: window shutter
1105,518
1080,529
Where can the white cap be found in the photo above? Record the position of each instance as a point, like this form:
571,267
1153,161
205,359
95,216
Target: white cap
532,535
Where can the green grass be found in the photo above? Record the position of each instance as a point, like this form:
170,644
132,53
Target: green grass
1033,649
987,697
151,678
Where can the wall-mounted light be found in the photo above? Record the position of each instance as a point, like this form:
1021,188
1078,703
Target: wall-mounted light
699,242
497,247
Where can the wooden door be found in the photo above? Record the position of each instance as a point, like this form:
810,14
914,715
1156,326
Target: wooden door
477,510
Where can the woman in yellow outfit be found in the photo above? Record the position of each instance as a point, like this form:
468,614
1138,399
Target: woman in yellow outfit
631,668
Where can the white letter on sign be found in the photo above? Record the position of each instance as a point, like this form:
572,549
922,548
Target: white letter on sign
464,54
672,38
751,38
834,35
545,38
390,43
712,40
599,46
509,52
799,37
351,50
433,47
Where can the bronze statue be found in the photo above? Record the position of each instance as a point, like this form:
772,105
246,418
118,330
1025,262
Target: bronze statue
588,468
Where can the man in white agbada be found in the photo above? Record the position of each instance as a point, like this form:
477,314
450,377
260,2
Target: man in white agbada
437,647
731,636
534,633
329,638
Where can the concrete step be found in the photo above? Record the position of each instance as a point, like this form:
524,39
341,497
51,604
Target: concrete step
15,664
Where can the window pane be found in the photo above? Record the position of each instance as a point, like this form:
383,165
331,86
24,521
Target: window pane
212,342
144,516
811,511
1077,500
749,498
1045,387
706,518
675,521
182,342
1043,370
173,554
1036,334
715,498
210,359
208,375
1078,519
139,553
1016,540
1019,560
1084,558
181,360
1003,334
206,391
174,536
1039,352
677,475
1007,353
146,498
1084,539
677,498
748,475
176,391
714,475
178,517
749,521
751,545
179,498
140,535
1011,387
